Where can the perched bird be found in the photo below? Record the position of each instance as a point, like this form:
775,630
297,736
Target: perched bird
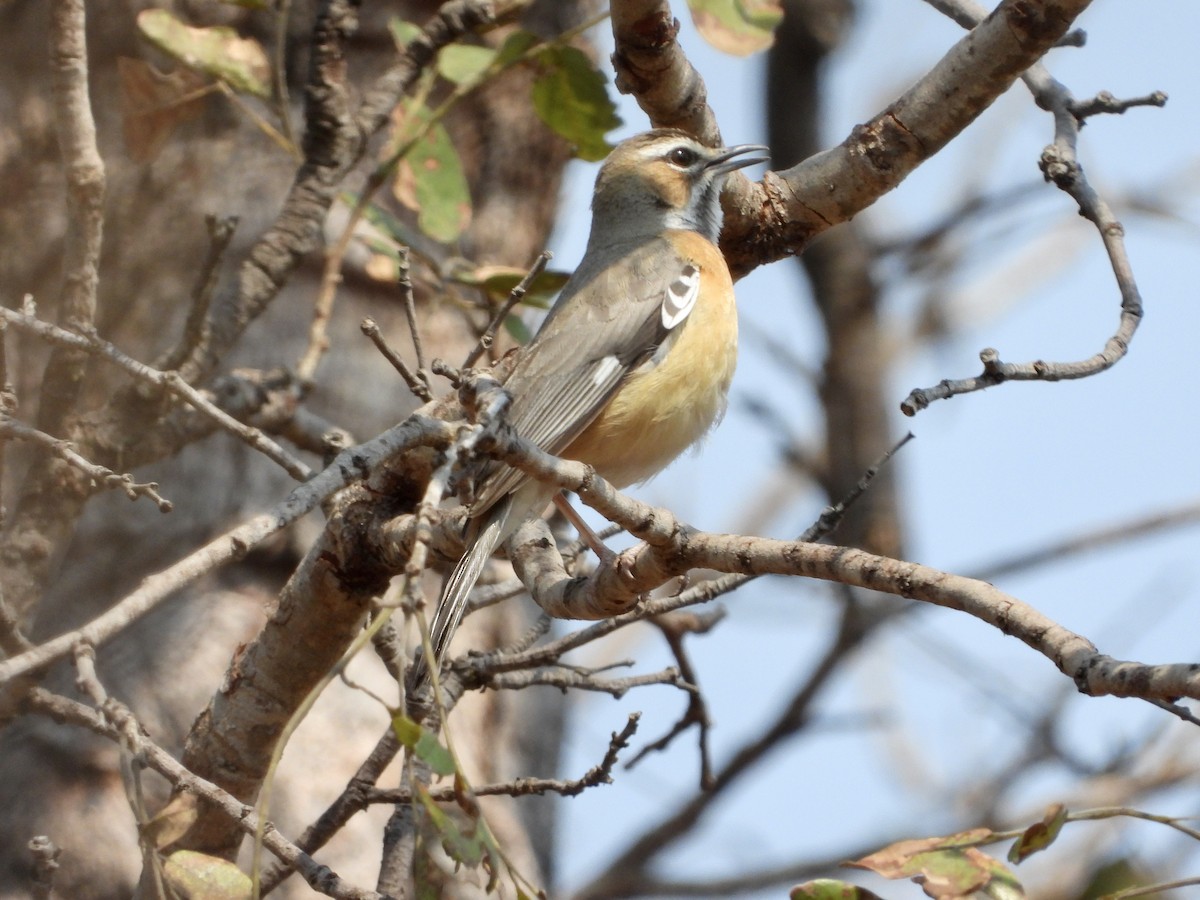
633,364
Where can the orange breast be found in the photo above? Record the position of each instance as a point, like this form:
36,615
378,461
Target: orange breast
662,410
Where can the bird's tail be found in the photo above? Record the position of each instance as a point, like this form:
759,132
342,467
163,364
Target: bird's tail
457,588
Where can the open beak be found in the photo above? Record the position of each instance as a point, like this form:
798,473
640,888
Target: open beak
728,160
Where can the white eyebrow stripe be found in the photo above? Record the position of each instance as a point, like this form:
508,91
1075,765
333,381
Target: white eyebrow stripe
681,295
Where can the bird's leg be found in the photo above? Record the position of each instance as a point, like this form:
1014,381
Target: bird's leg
589,537
622,561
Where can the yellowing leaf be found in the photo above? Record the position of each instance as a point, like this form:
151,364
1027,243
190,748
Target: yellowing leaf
381,267
737,27
220,52
201,877
461,63
154,103
402,32
948,868
173,821
570,96
1040,835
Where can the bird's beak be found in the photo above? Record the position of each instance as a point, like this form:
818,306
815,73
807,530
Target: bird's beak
727,160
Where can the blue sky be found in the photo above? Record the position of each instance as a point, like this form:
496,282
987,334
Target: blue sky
989,475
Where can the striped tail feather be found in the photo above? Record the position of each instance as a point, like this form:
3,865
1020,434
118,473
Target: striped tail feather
458,585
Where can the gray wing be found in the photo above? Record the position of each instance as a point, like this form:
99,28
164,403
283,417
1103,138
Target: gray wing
607,323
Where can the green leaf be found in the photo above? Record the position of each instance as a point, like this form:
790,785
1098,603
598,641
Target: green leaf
431,181
458,844
402,32
514,46
472,846
829,889
424,744
220,52
518,329
571,98
461,63
737,27
1040,835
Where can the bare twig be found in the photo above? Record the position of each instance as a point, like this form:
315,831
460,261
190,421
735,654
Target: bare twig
516,295
1104,102
565,679
349,465
320,877
170,381
352,800
101,476
524,787
195,329
404,281
45,865
417,383
1059,163
673,628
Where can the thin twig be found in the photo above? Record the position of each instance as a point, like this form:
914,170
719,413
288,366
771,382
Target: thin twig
101,476
1059,164
322,879
170,381
1105,103
235,544
673,627
352,800
523,787
515,296
195,330
564,680
416,382
404,281
45,865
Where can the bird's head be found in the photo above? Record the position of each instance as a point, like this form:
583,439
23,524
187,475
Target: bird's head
664,179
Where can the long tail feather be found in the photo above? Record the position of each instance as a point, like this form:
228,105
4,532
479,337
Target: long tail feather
457,588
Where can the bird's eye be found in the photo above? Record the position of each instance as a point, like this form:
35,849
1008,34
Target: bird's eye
683,156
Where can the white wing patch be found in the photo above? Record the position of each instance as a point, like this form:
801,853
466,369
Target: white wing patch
604,369
681,296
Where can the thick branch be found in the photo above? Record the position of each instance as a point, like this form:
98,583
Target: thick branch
777,218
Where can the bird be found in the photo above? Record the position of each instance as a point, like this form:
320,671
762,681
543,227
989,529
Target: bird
633,364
